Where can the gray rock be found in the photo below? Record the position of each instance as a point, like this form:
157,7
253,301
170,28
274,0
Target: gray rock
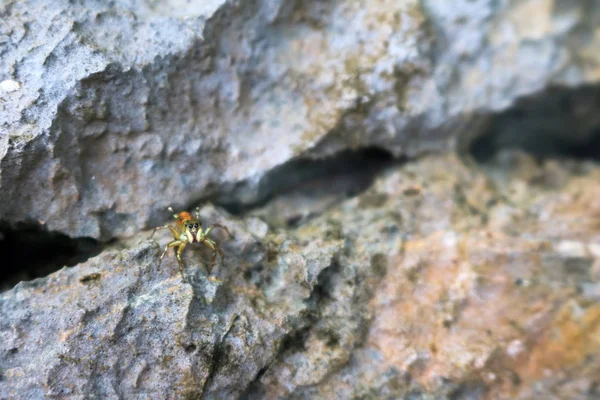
120,326
438,282
110,112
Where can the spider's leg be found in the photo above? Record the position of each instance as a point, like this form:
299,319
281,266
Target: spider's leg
219,250
173,231
210,228
211,245
157,228
179,260
174,243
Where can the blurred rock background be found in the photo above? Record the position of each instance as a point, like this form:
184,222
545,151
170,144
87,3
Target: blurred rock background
413,188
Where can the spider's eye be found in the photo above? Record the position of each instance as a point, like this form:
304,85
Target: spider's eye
195,225
190,226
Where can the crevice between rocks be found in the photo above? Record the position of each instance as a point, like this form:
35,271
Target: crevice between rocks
346,173
29,251
558,122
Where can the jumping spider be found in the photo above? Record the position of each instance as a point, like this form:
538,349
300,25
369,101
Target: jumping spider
189,230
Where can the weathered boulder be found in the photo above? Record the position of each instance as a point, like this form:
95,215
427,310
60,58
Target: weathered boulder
437,282
111,111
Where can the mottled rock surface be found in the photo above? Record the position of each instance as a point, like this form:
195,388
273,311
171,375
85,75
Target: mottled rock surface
489,287
438,282
435,281
110,111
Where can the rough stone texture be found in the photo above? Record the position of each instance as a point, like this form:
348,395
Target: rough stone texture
119,326
439,282
490,287
110,111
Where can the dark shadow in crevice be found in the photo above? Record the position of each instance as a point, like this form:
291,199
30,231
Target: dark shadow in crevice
347,173
28,251
556,123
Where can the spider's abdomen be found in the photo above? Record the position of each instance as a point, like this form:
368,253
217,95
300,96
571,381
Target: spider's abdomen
182,217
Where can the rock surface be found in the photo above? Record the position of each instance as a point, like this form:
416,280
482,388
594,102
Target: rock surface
120,326
111,111
438,282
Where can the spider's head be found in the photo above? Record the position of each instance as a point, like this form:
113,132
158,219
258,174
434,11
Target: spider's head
191,225
187,223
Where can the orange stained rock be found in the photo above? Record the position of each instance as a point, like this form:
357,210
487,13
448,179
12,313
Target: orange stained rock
445,310
572,335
